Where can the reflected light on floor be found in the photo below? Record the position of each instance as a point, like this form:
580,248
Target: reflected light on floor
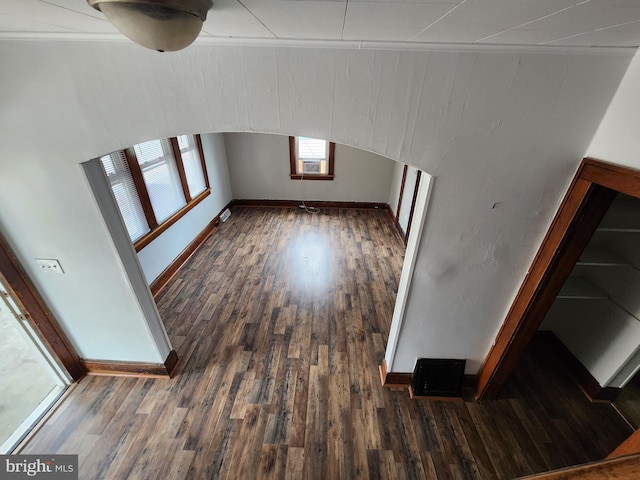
311,263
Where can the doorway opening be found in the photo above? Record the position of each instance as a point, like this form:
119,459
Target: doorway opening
30,379
591,193
38,362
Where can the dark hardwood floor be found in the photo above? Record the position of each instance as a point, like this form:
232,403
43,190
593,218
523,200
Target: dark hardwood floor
281,320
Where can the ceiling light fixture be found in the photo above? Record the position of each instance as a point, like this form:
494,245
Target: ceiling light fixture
163,25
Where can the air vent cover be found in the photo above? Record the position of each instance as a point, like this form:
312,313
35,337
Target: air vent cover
438,377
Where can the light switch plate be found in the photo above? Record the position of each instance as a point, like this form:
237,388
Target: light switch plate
49,265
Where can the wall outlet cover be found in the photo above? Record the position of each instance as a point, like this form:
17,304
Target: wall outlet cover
49,265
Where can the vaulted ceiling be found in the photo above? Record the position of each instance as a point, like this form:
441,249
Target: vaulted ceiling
586,23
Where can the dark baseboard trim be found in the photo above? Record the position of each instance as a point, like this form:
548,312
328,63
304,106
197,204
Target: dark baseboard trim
392,216
587,383
309,203
401,233
133,369
396,225
429,397
167,274
393,380
470,382
403,380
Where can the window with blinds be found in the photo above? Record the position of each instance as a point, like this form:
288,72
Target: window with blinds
192,164
311,158
160,173
125,193
155,183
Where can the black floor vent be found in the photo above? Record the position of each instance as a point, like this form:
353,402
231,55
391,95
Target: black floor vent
438,377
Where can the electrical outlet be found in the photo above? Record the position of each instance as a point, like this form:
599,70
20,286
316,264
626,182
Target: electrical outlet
49,265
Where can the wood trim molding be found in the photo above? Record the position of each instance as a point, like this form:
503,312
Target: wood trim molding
177,154
396,226
630,446
310,176
403,380
402,183
413,205
133,369
292,155
203,161
413,396
614,468
164,226
157,286
588,198
293,170
316,204
393,380
587,383
141,188
39,316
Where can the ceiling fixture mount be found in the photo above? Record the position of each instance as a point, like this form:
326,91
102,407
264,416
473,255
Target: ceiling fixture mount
163,25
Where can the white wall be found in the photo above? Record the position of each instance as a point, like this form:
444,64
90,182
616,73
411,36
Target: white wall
159,254
493,127
617,141
396,185
259,169
146,308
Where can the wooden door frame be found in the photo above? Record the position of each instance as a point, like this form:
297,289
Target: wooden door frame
38,314
412,210
587,200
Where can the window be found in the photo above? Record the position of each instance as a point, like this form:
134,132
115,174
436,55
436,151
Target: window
155,183
124,190
311,158
192,164
160,174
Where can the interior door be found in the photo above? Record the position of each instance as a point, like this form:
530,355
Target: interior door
30,380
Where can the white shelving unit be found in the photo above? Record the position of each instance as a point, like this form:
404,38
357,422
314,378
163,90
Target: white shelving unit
577,288
596,312
623,217
601,257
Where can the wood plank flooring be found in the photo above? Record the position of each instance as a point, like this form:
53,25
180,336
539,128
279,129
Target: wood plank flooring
281,320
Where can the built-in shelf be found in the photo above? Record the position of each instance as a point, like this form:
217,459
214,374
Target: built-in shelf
623,216
580,289
601,257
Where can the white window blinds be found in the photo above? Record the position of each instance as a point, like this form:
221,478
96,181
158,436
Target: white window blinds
311,155
161,177
311,148
192,164
125,193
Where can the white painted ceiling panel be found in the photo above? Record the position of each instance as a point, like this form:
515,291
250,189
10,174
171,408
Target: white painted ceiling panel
613,37
54,17
232,19
80,6
586,17
581,23
393,21
299,19
476,19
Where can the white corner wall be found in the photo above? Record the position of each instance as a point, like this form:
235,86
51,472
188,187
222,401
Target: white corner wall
259,169
396,185
159,254
502,132
617,140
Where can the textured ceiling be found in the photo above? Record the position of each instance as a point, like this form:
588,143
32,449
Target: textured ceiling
587,23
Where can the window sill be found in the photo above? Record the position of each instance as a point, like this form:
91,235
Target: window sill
155,233
310,176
